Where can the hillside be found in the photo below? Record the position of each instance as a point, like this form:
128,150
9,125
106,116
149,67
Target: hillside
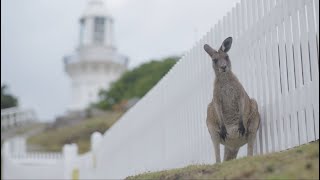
53,139
297,163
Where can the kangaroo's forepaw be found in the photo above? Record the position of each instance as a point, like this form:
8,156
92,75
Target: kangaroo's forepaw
223,133
241,129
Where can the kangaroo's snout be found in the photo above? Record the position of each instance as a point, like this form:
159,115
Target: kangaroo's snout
223,68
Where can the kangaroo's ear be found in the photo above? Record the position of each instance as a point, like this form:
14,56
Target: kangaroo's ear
209,50
226,45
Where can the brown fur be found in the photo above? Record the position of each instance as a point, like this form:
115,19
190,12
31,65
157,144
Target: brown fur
231,108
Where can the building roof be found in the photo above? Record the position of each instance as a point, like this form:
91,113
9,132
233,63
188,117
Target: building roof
96,8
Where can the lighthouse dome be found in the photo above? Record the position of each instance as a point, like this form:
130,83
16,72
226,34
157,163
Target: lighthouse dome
96,8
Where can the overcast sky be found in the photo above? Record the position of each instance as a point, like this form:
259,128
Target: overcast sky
36,34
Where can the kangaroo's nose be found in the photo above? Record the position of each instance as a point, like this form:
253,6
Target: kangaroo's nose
223,67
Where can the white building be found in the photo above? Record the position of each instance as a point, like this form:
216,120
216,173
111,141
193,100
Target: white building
96,62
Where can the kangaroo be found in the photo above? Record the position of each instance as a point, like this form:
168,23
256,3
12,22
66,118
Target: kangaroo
232,117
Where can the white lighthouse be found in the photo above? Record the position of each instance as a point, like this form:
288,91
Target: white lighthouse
96,62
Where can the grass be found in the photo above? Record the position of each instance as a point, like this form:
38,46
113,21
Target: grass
29,127
54,139
22,130
297,163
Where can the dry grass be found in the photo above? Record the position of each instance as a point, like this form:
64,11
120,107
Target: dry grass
54,139
298,163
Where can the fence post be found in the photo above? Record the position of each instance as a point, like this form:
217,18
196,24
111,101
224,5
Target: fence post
18,146
70,153
96,139
5,149
5,153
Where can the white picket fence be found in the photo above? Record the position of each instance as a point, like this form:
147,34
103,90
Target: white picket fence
275,54
20,164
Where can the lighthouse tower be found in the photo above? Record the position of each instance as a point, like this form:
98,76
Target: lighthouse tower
96,62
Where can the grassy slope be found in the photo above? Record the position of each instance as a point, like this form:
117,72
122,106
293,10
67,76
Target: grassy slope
54,139
23,130
30,127
297,163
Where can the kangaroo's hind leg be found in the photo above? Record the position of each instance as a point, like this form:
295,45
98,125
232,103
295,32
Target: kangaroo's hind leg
253,126
213,128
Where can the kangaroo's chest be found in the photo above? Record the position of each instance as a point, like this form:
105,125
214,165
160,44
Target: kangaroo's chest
229,97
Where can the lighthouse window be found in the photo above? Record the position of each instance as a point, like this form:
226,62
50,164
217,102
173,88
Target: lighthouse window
82,25
99,28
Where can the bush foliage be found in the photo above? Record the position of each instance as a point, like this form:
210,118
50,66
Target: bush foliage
135,83
7,100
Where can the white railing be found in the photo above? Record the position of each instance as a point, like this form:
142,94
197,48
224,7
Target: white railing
20,164
96,53
274,54
14,117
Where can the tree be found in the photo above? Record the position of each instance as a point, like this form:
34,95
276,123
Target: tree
135,83
7,100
